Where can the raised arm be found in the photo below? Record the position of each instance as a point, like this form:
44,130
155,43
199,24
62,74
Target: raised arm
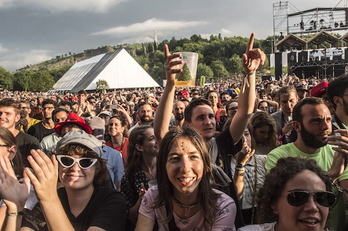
252,59
165,107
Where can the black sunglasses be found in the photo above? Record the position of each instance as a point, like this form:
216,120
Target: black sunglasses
69,161
300,197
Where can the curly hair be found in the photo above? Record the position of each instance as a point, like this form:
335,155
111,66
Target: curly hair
124,123
260,119
101,173
206,196
275,181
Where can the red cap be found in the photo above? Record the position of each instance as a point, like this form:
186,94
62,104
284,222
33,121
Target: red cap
75,119
183,93
319,89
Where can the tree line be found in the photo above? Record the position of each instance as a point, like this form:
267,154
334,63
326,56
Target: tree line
218,57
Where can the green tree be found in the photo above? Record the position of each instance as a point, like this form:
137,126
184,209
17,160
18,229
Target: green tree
204,70
185,75
102,85
41,81
218,69
236,64
21,81
6,79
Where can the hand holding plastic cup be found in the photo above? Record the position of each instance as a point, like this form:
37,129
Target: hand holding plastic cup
188,76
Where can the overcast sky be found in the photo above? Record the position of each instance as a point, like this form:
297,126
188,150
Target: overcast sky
36,30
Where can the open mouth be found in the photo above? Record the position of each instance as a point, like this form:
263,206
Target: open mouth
186,181
311,221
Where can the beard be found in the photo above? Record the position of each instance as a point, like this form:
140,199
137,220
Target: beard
310,139
146,119
179,116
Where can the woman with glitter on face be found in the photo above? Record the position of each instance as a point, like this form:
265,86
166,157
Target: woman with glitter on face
184,197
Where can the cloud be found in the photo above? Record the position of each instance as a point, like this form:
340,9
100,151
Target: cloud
14,61
2,49
99,6
147,28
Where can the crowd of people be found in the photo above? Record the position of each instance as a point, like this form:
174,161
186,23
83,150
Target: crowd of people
239,154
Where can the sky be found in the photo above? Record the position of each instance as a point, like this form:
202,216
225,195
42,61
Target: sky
33,31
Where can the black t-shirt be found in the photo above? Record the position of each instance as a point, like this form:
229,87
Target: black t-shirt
226,150
25,143
106,209
39,131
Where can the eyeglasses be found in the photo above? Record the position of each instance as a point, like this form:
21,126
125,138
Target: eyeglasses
5,145
300,197
69,161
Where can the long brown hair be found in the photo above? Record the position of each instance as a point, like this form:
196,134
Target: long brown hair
134,157
260,119
206,196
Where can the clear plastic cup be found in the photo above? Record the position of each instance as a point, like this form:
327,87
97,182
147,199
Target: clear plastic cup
187,78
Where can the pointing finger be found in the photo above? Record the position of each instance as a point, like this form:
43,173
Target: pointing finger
166,51
251,43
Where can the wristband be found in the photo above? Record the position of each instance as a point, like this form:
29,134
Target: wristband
14,214
239,165
240,169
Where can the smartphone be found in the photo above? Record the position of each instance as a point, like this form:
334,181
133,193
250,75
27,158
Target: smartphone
113,107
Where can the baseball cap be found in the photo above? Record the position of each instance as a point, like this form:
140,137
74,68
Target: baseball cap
82,138
75,119
183,93
319,89
105,113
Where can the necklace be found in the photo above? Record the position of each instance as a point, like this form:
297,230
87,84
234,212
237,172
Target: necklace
185,207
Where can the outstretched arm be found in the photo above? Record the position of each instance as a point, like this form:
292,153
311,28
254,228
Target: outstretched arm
165,107
252,59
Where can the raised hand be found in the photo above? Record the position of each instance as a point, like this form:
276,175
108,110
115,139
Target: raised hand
46,175
244,155
171,65
13,193
252,58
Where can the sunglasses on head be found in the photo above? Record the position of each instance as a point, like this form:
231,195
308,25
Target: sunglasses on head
69,161
300,197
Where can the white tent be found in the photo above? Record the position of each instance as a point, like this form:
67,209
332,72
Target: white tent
119,69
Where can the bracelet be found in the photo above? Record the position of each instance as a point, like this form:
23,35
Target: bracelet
239,165
240,169
14,214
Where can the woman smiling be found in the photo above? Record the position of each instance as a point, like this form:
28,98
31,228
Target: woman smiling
185,198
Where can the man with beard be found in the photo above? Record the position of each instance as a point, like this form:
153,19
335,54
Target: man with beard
178,112
145,115
337,93
45,127
312,123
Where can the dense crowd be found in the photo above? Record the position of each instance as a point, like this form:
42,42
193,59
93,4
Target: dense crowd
241,153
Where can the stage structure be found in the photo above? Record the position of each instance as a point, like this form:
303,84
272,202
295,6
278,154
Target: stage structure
313,44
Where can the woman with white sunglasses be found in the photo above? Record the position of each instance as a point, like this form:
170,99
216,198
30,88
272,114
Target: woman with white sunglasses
296,196
81,204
